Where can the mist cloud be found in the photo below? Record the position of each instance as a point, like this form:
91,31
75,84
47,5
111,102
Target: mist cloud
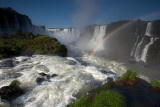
86,9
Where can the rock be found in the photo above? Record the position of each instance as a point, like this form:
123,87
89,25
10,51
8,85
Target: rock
13,75
54,75
39,80
42,74
15,83
72,63
47,77
42,68
43,77
11,92
109,79
6,63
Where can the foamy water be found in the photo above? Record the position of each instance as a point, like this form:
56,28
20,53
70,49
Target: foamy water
74,78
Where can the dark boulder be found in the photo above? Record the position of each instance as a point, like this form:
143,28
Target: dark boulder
42,74
54,75
39,80
11,92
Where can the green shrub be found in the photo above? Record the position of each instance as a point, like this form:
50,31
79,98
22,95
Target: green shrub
133,76
15,83
155,83
118,79
107,98
82,102
128,75
27,43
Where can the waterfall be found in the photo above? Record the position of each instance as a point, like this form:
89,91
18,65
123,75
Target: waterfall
137,52
96,33
99,33
29,28
149,29
145,50
17,23
66,30
143,56
133,49
7,24
75,32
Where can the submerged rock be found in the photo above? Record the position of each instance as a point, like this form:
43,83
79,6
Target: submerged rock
54,75
109,79
44,77
42,68
42,74
39,80
7,63
13,75
11,92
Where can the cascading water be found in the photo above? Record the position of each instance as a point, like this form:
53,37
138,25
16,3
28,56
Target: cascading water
137,51
98,35
142,55
134,47
17,23
29,28
74,78
67,36
145,50
7,24
149,29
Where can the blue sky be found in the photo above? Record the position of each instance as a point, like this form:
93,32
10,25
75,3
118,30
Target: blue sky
67,13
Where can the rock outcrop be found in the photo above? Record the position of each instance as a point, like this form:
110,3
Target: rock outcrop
11,21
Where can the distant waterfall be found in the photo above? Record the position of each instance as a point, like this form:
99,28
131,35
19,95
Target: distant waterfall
75,33
99,33
7,24
29,27
149,29
141,55
145,50
137,52
17,23
134,47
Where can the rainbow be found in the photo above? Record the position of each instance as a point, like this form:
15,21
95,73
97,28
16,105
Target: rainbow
116,30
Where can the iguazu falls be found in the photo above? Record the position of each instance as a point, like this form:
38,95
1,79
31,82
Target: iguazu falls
79,53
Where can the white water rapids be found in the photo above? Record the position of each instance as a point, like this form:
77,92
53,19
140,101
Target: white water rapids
76,76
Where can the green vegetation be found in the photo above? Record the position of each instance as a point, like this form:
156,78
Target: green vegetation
27,43
155,84
128,75
82,102
15,83
107,98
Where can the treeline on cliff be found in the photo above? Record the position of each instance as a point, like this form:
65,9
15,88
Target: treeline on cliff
20,43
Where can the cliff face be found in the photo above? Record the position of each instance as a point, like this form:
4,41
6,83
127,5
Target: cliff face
10,21
138,41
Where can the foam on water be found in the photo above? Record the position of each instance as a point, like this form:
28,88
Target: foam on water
73,80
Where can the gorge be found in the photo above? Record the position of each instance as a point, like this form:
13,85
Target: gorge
97,54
